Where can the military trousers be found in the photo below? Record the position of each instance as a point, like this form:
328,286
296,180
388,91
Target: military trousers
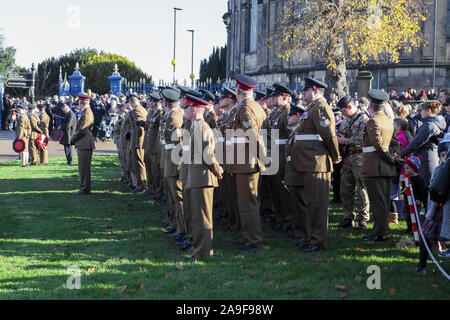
202,225
247,196
43,155
139,165
281,199
351,183
317,188
379,190
84,169
266,195
231,201
34,151
156,183
175,190
120,153
187,211
299,212
148,170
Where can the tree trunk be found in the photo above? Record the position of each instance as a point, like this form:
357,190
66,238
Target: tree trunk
337,78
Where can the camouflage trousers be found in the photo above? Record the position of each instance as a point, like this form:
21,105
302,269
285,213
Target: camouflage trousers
351,185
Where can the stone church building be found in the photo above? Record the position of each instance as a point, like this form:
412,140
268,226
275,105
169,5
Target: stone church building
251,22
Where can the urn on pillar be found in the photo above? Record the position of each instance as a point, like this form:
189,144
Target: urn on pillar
116,81
76,81
364,83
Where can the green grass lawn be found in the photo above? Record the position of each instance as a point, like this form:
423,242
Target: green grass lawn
115,238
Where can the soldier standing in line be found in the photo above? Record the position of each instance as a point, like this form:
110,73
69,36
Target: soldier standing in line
138,119
172,137
126,129
279,121
378,165
247,165
84,143
204,170
228,105
315,151
44,122
23,131
299,213
350,136
118,140
35,130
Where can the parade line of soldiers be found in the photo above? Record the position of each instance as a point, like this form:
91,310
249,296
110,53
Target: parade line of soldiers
247,154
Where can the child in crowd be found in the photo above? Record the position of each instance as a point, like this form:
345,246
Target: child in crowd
411,167
431,228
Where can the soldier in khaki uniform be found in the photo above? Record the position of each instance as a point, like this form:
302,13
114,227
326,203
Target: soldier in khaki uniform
84,143
35,130
153,147
248,152
172,137
350,136
293,179
44,122
204,170
227,103
378,165
278,123
119,141
129,164
315,151
138,120
23,131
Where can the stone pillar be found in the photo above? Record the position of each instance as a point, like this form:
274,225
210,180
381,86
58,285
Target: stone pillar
364,83
1,101
115,81
76,81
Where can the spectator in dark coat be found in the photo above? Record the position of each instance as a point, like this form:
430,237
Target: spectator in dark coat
425,143
68,126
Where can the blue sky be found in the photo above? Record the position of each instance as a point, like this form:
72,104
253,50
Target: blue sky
140,30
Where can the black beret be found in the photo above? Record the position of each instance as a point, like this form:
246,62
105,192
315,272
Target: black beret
171,94
280,90
192,92
259,95
311,83
343,102
378,96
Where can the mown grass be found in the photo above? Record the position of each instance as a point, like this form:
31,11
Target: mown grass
115,238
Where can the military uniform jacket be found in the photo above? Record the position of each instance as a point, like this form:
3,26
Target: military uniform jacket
249,119
117,130
227,124
279,122
172,136
137,131
204,168
211,118
184,167
153,130
162,140
125,134
316,145
23,130
219,138
82,138
267,124
291,177
44,122
35,130
377,159
353,129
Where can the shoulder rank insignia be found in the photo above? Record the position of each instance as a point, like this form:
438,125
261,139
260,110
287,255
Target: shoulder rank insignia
247,124
324,122
305,115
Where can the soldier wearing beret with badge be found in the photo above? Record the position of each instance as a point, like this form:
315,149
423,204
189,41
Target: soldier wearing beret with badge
44,122
378,165
84,143
315,151
249,150
23,132
35,131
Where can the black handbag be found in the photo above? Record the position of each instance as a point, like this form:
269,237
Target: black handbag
440,183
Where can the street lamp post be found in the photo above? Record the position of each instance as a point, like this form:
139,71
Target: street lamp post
192,76
174,40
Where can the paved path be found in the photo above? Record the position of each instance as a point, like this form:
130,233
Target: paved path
54,148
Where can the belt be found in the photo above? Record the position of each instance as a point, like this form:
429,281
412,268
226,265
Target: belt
169,146
281,141
372,149
356,152
163,142
238,140
288,158
228,143
308,137
186,148
220,139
